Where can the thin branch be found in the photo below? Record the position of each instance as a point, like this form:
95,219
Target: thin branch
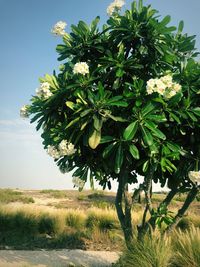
189,199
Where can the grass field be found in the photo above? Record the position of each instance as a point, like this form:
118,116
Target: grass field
70,219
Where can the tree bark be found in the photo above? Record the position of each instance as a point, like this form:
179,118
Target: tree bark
142,229
124,216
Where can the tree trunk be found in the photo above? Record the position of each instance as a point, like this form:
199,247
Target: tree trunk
142,229
124,216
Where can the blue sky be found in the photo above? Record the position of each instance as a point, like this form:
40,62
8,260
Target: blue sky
27,52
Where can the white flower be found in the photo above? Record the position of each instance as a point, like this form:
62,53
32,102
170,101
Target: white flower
24,112
194,176
59,28
53,152
151,86
78,182
160,87
167,80
176,87
164,86
44,90
115,6
66,148
81,67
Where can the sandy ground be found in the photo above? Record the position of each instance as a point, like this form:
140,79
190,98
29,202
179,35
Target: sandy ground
57,258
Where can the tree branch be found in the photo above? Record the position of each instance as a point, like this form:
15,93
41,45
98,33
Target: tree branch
190,197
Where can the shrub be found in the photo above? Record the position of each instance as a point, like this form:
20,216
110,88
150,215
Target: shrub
104,220
49,224
152,252
75,219
187,248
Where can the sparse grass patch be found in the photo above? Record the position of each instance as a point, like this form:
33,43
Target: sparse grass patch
8,195
96,195
54,193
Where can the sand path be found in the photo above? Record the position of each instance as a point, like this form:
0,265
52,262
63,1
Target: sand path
57,258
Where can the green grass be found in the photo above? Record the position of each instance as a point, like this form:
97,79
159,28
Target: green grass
8,195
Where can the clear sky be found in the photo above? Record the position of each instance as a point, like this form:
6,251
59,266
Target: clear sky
27,52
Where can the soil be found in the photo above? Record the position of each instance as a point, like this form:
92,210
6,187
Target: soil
57,258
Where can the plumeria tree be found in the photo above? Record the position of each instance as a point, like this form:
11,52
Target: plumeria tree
124,103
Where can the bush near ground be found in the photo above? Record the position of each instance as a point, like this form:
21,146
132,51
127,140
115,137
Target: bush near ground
180,249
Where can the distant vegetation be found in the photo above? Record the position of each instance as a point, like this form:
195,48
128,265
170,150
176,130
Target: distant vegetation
8,195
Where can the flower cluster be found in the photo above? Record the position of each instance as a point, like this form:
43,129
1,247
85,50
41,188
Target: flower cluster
24,112
194,176
78,182
59,28
164,86
115,6
81,67
65,148
44,90
53,152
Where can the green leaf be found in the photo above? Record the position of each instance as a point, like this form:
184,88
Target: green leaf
101,90
191,115
106,139
173,147
165,21
109,149
97,123
180,27
147,137
134,151
72,123
157,118
94,24
120,73
130,131
94,139
70,105
140,5
85,112
176,118
175,99
153,127
145,166
119,159
196,111
147,109
119,104
116,118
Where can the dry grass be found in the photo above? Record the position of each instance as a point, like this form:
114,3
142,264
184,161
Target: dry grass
186,246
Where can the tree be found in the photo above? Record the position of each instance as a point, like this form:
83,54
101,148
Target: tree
125,103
